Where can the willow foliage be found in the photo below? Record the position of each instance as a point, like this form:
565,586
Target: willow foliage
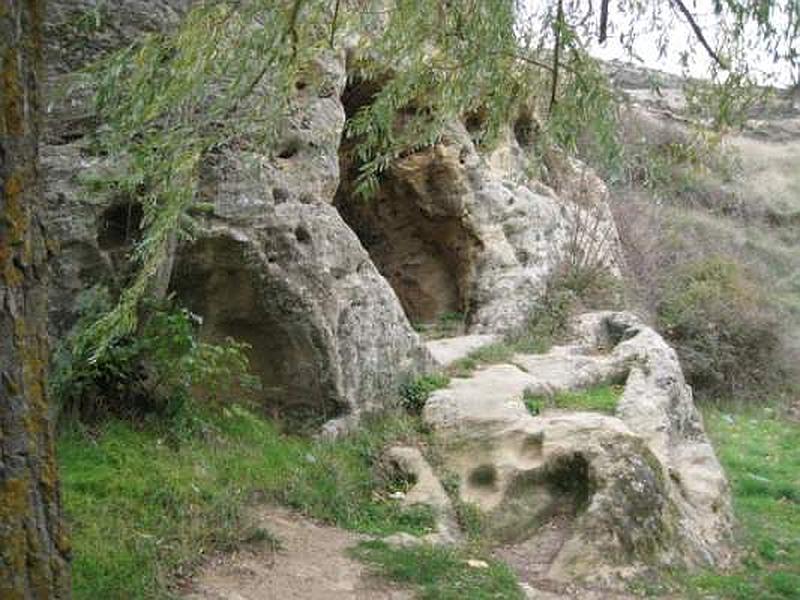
227,73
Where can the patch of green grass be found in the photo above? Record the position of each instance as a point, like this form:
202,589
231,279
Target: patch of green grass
761,455
499,352
441,573
471,520
602,398
530,341
414,394
142,510
447,325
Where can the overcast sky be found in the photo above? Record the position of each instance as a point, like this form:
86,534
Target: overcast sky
680,38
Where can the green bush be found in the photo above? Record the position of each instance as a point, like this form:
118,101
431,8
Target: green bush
414,394
151,372
723,327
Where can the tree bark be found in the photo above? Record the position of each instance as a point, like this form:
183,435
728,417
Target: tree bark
33,546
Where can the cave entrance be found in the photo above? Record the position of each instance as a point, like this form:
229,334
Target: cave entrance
413,226
425,258
215,279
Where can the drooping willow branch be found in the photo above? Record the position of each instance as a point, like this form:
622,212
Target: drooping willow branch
559,25
603,21
698,32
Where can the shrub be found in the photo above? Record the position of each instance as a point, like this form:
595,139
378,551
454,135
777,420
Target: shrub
723,327
567,293
414,394
151,372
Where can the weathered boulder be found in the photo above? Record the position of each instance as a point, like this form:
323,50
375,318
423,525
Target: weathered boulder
455,230
271,264
425,490
640,488
276,266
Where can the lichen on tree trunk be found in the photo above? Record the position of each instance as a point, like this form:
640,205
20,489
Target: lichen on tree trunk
33,545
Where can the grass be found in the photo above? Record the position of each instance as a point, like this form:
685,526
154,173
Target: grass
440,573
603,398
415,393
761,454
447,325
498,352
143,511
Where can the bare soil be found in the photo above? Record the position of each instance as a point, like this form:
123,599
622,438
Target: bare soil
310,563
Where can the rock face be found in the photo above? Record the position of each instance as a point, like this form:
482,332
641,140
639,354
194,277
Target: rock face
273,264
277,263
457,231
642,487
276,266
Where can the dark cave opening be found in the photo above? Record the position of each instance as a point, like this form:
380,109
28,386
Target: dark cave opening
413,226
119,226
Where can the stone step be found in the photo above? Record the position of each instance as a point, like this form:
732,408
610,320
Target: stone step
446,351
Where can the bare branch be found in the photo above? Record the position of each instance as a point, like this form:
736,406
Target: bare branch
559,24
698,32
603,21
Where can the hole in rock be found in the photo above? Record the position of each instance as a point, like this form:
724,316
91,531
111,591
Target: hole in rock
289,149
545,497
569,480
426,258
525,129
484,476
302,235
280,194
119,225
217,279
413,226
475,121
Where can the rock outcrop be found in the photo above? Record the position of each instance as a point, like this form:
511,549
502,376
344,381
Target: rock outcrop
455,230
273,264
640,488
277,264
324,286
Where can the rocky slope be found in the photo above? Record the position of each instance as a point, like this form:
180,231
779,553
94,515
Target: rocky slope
322,285
641,486
325,287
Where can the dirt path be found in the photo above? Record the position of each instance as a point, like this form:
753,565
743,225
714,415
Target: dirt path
311,563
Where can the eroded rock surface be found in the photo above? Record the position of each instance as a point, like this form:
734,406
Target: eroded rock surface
459,231
272,264
275,265
624,492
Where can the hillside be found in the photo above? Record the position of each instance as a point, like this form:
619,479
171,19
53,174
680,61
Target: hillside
356,304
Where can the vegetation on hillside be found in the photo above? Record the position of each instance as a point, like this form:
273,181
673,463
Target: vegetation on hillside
227,75
152,493
145,510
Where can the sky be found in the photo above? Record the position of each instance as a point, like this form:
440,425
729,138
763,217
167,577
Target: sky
680,38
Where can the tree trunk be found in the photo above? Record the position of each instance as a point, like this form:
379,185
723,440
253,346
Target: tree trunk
33,545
